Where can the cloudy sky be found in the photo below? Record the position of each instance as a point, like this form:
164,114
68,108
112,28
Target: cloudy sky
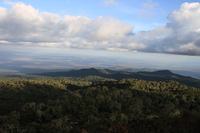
145,33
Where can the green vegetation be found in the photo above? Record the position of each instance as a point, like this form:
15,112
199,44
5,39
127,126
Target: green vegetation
60,105
161,75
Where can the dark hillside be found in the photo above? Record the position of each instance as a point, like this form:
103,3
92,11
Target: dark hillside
161,75
160,72
77,73
167,73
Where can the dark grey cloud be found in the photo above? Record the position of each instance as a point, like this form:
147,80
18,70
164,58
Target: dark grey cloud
197,43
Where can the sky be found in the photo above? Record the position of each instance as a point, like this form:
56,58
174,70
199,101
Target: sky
102,33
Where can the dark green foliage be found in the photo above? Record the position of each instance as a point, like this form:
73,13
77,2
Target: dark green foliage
128,105
161,75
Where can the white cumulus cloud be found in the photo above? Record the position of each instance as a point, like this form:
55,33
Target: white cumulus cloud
24,25
179,36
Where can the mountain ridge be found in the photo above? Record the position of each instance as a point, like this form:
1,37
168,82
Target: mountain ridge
160,75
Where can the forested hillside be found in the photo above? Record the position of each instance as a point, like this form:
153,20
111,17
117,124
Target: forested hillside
127,105
161,75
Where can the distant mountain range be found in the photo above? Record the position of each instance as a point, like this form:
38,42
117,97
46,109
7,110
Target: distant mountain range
160,75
